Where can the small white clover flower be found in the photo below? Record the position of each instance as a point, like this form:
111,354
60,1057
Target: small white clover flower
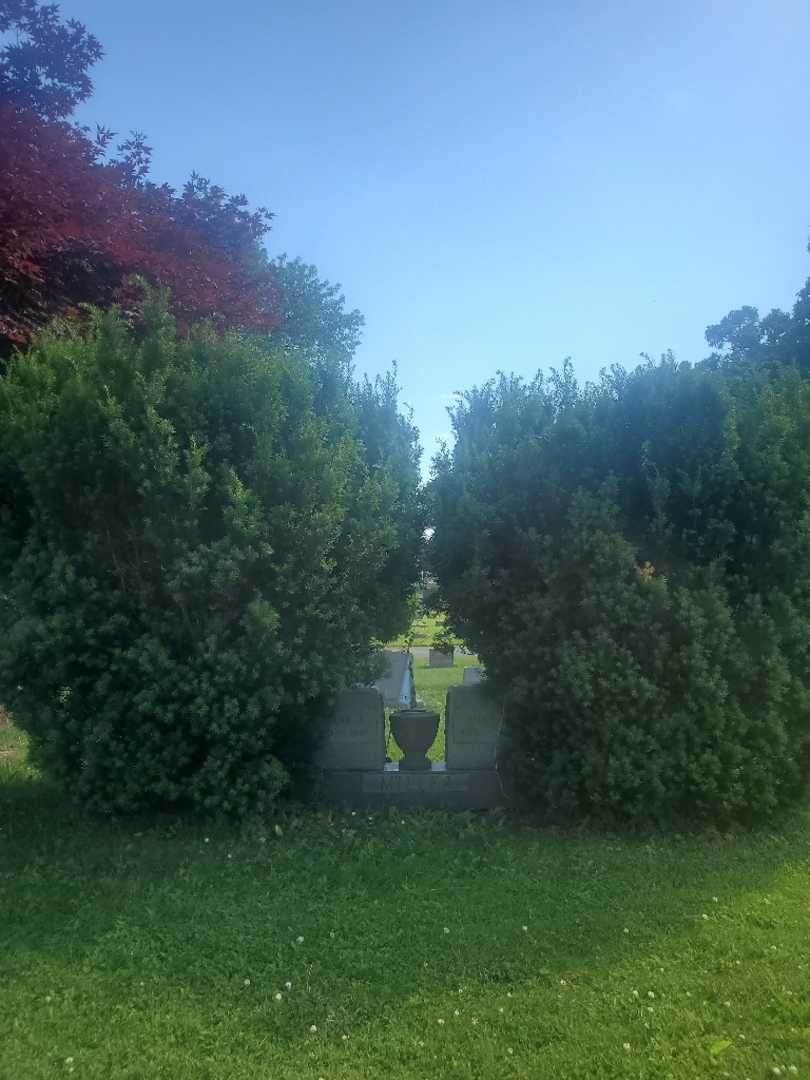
344,1037
456,1012
247,982
440,1022
206,840
727,1004
525,929
313,1028
229,855
288,985
278,830
715,900
500,1009
68,1060
278,995
651,994
704,915
509,1050
626,1046
563,982
420,1042
299,940
626,930
635,993
508,993
447,929
792,1069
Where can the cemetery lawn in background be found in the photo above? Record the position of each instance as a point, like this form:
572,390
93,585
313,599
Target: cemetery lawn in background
415,946
424,629
12,740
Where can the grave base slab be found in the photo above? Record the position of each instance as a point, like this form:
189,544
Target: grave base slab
439,789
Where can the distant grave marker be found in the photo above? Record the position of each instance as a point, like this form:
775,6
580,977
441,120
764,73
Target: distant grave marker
472,675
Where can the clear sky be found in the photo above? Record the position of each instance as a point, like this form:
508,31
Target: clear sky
494,185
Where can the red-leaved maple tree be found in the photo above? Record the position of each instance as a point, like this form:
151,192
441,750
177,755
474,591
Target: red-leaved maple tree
75,227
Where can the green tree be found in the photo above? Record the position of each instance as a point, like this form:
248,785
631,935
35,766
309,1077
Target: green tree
631,560
196,554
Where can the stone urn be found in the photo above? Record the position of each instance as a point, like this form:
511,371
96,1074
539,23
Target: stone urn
414,731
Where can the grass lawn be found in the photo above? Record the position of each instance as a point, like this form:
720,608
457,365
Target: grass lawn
402,946
424,630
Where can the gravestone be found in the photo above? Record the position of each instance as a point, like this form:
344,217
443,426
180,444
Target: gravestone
354,773
355,738
439,788
440,658
472,726
396,683
472,675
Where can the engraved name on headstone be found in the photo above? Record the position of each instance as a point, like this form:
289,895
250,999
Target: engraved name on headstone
433,783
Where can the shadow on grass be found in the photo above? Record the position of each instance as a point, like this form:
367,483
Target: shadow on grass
371,895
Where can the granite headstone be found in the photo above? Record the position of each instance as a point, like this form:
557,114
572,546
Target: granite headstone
472,727
355,738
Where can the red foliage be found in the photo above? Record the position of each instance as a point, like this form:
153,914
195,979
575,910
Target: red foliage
73,229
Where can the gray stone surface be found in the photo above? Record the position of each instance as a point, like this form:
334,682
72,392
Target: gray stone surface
472,675
396,683
438,789
439,658
355,739
472,726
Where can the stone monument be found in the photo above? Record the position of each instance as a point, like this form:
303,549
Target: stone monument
355,739
472,727
396,683
354,772
472,674
441,657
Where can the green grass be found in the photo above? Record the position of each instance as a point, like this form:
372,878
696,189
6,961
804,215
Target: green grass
424,629
11,738
154,949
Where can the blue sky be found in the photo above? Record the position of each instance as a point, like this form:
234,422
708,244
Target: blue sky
494,185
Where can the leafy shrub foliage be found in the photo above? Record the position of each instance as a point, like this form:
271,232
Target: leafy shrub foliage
197,545
632,560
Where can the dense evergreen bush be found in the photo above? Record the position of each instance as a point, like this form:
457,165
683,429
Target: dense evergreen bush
631,561
198,543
